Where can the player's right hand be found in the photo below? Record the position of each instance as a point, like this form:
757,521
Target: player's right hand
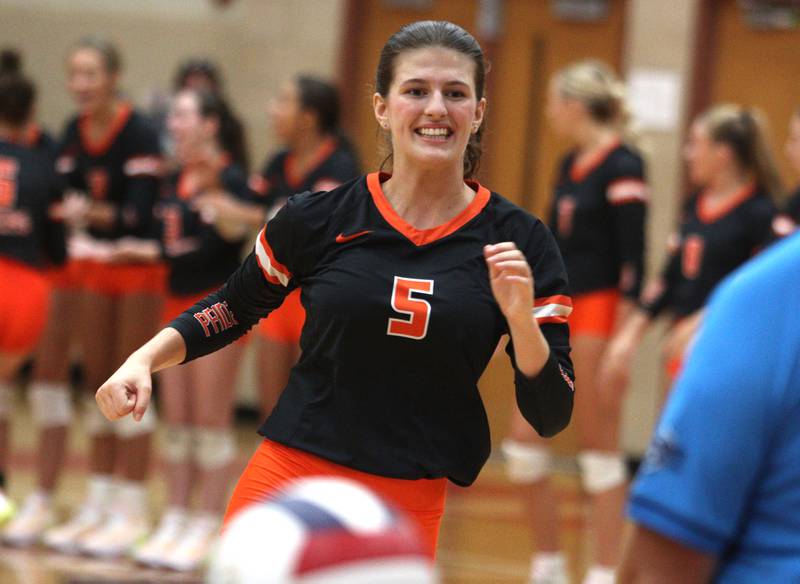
127,391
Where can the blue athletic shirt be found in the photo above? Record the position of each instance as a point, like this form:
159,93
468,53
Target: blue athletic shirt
722,474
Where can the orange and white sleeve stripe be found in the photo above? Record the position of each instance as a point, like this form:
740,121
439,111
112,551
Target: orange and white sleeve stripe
275,272
552,309
627,190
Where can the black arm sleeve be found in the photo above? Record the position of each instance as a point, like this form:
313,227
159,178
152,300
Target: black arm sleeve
142,168
627,195
545,401
254,290
229,313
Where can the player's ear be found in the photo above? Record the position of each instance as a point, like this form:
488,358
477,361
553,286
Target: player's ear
379,107
480,111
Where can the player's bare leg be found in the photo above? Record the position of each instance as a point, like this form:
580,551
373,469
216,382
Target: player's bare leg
214,451
127,522
51,407
9,364
528,465
214,386
138,317
97,328
597,413
176,414
51,375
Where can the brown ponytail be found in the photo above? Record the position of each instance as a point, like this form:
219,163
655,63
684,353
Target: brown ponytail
745,132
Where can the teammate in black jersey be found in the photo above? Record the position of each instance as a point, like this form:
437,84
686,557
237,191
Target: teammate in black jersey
788,221
408,280
598,218
316,157
201,252
29,240
110,155
722,225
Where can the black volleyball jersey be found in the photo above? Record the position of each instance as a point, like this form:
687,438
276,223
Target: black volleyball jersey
333,165
199,258
400,325
37,138
28,187
122,169
707,247
598,218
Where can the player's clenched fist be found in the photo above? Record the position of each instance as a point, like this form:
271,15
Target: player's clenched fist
128,390
511,280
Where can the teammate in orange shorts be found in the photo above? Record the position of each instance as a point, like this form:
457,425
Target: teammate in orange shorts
110,160
598,218
201,251
728,219
29,240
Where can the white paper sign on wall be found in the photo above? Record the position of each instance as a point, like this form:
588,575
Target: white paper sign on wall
654,97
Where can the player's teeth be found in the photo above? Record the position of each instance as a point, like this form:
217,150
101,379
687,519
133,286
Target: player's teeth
433,131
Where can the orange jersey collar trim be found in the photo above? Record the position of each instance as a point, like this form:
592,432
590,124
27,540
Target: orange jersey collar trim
707,216
425,236
293,177
97,148
579,171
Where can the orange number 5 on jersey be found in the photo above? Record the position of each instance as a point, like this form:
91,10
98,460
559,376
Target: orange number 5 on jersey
417,311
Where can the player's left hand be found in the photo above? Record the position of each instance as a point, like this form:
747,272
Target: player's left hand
511,280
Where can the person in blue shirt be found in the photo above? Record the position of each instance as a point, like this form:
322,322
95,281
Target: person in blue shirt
718,495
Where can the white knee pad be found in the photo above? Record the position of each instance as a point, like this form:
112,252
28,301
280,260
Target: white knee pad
601,471
51,404
214,447
5,401
526,463
178,444
126,427
94,422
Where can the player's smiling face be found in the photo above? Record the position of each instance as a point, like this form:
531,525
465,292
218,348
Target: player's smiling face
88,80
432,107
189,130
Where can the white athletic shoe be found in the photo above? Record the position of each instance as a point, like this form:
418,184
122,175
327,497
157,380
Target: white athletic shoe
548,569
66,537
34,517
116,536
195,544
160,544
7,507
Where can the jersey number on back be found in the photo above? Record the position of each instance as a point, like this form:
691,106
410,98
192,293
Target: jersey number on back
406,301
